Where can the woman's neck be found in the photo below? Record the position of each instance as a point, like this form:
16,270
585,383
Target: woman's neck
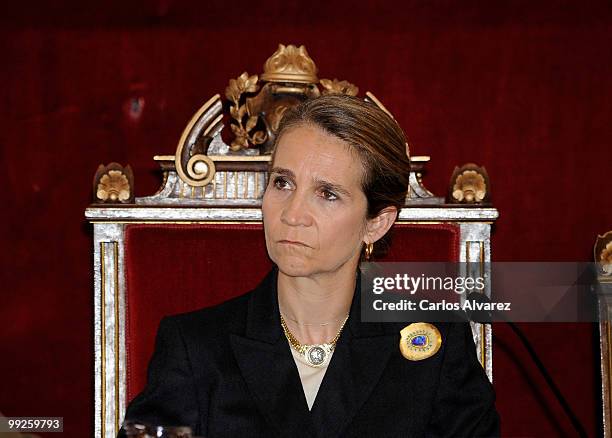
314,308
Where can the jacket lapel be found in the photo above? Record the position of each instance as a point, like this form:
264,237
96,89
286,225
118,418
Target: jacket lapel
264,357
267,365
359,359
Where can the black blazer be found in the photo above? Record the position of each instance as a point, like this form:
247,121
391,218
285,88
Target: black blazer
227,371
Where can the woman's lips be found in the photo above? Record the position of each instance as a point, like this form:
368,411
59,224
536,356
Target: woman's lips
293,242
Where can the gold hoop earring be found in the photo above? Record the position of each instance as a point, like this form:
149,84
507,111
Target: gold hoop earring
368,251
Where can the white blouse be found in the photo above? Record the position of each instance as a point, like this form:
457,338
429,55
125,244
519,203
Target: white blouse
311,377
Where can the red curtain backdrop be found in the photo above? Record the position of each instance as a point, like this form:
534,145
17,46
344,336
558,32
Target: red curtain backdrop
520,87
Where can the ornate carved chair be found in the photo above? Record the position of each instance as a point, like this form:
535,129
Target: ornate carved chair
199,239
603,256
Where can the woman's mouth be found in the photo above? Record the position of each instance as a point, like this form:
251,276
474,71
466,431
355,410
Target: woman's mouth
292,242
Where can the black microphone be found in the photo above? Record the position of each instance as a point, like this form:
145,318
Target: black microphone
485,316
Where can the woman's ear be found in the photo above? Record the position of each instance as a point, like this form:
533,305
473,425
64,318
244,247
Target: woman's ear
378,226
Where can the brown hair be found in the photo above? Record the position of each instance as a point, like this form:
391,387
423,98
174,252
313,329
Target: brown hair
372,134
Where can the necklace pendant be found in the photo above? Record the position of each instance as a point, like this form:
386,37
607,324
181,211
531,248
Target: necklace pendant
317,355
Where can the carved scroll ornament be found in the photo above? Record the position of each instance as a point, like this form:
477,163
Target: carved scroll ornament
219,164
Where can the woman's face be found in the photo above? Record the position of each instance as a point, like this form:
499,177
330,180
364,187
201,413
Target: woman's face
314,209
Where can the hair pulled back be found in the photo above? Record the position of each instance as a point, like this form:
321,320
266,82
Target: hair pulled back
377,139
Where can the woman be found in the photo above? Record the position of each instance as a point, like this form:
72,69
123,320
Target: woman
292,357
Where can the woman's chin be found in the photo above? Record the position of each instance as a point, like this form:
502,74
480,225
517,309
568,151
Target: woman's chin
293,268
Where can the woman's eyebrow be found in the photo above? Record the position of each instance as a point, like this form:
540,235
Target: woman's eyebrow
332,186
318,181
283,171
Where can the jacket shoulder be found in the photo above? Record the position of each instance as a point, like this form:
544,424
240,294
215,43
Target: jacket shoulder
229,316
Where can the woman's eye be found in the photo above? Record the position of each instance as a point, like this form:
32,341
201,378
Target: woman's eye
281,183
328,195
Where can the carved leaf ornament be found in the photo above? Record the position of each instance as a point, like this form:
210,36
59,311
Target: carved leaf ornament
470,187
258,103
113,186
235,90
606,259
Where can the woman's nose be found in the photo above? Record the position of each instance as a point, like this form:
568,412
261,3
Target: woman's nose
296,211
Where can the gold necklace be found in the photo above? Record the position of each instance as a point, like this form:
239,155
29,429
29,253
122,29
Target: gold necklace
313,324
316,355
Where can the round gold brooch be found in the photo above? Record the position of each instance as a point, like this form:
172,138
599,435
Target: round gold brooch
419,341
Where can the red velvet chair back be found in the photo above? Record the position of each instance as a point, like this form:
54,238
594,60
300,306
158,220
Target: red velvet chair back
178,268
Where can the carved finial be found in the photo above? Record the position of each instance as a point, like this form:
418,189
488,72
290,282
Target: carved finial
606,259
290,64
113,184
603,254
469,185
257,103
